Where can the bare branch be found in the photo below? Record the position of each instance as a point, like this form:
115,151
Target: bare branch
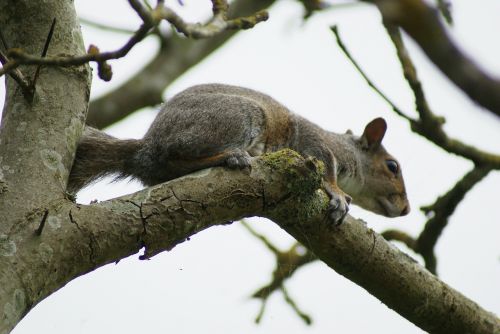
444,7
286,265
215,26
440,213
368,81
106,27
428,125
400,236
422,23
151,19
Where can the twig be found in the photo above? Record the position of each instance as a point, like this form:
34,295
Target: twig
9,66
286,265
213,27
368,81
143,13
288,299
39,230
44,53
441,211
106,27
444,7
400,236
150,20
14,73
2,39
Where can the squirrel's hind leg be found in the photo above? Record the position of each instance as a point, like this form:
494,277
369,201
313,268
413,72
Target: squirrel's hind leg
235,158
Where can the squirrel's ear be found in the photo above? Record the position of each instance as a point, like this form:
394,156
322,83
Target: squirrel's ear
348,132
374,133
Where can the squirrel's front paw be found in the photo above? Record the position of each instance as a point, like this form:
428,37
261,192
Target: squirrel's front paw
339,203
339,207
239,159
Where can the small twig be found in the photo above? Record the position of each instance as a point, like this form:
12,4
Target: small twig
304,316
143,13
444,7
262,238
8,66
39,230
15,73
4,42
214,27
44,53
219,7
400,236
286,265
262,309
441,211
367,79
106,27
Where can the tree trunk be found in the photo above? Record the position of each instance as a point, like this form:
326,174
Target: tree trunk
38,140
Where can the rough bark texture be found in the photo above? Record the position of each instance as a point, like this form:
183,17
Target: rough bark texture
38,138
38,141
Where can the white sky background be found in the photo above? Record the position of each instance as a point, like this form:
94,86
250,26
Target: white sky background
203,285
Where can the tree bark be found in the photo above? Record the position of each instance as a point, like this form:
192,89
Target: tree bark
38,141
38,138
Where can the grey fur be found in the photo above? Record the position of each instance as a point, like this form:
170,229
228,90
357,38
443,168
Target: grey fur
220,125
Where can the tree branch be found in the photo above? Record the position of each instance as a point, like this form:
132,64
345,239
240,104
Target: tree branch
281,186
150,18
422,23
287,263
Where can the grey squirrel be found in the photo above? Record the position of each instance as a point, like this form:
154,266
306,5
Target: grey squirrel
220,125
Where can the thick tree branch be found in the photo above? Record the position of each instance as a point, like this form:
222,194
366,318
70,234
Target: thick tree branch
39,136
422,23
282,186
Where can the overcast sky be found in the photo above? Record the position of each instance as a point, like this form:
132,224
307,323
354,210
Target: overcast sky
203,285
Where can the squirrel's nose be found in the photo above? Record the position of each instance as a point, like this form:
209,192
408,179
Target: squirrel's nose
405,211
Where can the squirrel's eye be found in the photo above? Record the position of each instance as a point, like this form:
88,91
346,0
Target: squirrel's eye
392,166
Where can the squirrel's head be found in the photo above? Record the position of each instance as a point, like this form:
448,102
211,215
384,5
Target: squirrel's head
381,188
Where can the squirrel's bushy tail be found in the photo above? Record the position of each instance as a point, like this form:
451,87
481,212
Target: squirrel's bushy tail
99,155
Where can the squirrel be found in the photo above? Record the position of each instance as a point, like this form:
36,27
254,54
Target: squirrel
221,125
